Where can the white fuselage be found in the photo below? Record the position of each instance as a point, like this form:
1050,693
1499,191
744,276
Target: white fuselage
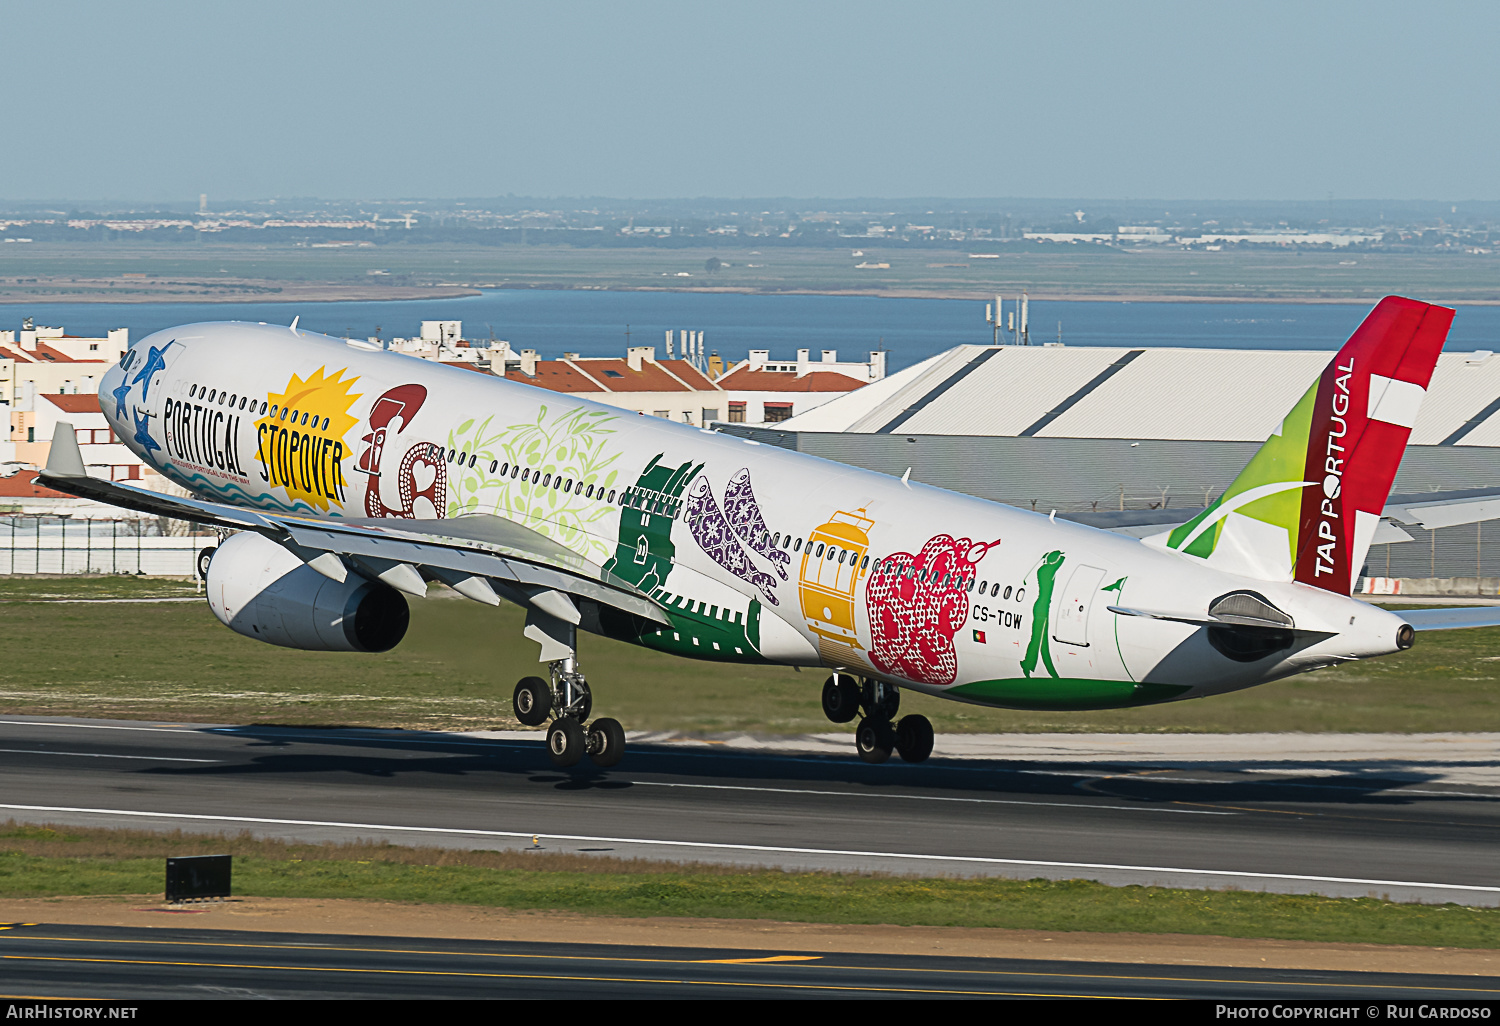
807,561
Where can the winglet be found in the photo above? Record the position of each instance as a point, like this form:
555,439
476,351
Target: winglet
65,459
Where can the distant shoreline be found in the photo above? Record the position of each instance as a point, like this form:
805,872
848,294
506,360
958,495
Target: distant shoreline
266,292
287,292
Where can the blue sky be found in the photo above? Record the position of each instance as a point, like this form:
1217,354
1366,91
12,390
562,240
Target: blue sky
156,100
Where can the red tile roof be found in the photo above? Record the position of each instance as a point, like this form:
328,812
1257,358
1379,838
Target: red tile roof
747,380
22,485
50,355
83,402
559,376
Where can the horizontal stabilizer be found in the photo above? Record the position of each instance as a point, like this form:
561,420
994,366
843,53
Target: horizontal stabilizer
1455,619
1206,619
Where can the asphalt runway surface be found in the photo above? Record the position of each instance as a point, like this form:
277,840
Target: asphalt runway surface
1407,835
79,962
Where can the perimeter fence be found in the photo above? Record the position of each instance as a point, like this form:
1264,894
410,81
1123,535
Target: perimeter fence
65,545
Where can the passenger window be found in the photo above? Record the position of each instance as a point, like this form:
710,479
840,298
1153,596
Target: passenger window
546,480
1007,592
995,590
819,554
211,394
864,564
304,418
526,475
473,459
192,391
505,468
493,465
283,413
797,546
452,453
325,423
611,496
588,492
515,470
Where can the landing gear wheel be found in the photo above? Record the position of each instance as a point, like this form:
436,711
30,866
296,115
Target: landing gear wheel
606,741
840,699
874,739
565,743
532,701
914,738
205,557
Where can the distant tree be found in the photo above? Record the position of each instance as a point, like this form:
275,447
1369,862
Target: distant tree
712,265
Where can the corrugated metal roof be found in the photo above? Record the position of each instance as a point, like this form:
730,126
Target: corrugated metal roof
1233,395
1190,394
1459,390
861,401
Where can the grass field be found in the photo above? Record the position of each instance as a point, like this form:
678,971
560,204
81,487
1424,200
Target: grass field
460,660
1059,272
43,862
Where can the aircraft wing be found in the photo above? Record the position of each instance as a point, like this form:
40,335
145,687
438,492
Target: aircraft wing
481,556
1444,509
1142,523
1451,619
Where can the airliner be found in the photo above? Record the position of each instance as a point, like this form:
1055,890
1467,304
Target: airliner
344,480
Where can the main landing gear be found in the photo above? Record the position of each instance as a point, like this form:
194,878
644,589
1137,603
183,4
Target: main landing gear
567,697
877,736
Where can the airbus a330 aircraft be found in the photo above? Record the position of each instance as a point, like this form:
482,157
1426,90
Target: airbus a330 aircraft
352,478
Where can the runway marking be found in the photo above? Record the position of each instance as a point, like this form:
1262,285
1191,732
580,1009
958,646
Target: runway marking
100,755
795,960
550,976
100,726
761,961
930,798
1394,786
773,849
74,601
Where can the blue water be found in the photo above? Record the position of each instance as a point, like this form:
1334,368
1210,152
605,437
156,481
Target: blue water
594,323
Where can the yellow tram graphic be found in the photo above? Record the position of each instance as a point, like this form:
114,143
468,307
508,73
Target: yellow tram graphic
835,559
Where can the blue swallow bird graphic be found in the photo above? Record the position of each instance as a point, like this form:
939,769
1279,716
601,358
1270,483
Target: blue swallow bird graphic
143,431
156,360
120,395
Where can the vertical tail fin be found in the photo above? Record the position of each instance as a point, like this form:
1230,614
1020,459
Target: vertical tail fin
1306,506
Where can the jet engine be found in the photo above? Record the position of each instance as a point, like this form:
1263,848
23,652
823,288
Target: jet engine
261,590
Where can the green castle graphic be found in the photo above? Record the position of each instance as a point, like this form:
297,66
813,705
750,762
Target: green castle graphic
644,555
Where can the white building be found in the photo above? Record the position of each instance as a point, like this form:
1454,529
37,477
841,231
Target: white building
762,391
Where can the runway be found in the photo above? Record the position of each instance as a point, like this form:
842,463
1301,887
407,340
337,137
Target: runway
79,962
1403,828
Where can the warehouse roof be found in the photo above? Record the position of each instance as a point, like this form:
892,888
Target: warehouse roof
1086,392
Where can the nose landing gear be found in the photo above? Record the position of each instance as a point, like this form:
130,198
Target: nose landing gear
877,735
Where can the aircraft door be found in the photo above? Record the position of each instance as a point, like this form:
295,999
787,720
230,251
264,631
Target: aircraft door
1070,624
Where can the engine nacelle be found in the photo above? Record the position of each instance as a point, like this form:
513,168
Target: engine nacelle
261,590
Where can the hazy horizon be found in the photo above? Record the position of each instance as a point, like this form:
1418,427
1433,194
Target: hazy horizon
1273,100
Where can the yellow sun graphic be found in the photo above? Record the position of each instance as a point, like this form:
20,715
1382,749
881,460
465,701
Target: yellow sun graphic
301,439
